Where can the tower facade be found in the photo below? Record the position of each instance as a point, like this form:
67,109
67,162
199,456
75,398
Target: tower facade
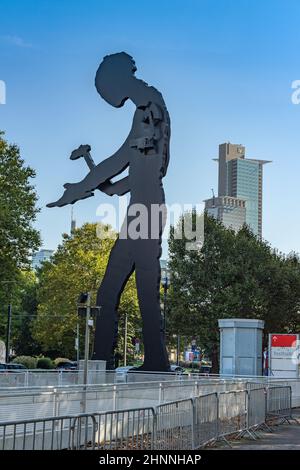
241,179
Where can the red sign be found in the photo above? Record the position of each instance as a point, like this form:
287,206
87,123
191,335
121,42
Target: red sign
283,341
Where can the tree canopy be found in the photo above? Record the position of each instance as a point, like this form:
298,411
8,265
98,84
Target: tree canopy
18,210
233,275
77,266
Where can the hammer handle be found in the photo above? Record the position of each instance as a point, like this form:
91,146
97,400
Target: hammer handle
89,161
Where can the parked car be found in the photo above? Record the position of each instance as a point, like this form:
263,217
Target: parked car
205,369
123,369
176,368
12,367
67,366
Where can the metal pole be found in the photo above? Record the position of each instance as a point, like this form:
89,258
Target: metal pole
9,311
77,337
178,349
165,309
87,339
125,341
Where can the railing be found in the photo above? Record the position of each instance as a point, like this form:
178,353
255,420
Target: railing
58,378
206,419
180,425
126,429
19,403
174,425
257,407
279,402
232,412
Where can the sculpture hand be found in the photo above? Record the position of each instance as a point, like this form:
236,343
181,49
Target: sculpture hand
73,192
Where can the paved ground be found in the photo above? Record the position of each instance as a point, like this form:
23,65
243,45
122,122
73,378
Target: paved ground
284,437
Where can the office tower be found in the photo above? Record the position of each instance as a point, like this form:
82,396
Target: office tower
240,178
229,210
40,256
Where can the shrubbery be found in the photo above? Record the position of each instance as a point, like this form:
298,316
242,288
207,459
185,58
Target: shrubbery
39,362
44,363
58,360
27,361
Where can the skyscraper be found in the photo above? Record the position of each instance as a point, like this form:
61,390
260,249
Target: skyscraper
240,178
231,211
40,256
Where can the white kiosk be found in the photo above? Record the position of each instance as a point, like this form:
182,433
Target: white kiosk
241,346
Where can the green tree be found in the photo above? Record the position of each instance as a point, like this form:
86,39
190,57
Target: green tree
78,266
18,237
24,310
232,275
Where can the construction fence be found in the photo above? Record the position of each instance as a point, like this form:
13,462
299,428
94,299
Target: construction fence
183,424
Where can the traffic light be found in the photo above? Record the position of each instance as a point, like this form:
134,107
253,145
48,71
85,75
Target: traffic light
82,299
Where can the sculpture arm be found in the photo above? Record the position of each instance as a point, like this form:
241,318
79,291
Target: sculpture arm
119,187
105,170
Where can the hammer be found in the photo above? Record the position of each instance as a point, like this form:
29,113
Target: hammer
83,151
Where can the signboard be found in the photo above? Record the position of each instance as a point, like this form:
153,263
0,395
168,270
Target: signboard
189,356
284,355
283,341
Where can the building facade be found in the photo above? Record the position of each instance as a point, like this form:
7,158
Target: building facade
240,178
40,256
229,210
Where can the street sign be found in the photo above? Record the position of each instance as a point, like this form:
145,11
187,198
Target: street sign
283,355
283,341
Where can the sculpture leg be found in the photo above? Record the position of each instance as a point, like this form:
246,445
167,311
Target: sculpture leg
147,270
120,267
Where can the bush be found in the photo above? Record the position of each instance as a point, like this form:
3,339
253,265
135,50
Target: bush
58,360
27,361
44,363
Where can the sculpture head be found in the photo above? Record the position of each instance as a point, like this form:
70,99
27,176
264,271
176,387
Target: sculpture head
113,78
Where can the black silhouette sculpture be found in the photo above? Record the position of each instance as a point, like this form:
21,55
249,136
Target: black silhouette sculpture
146,153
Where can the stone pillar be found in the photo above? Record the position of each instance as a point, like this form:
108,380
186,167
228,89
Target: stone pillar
96,372
96,365
241,346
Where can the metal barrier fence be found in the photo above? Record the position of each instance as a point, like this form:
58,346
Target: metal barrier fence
57,378
179,425
232,412
174,425
206,419
34,403
279,402
37,434
128,429
257,403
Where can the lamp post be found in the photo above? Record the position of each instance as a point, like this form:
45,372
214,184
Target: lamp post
8,324
178,349
125,339
165,282
85,309
8,330
77,343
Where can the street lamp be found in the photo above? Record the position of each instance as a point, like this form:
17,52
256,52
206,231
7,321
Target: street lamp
85,310
165,282
8,327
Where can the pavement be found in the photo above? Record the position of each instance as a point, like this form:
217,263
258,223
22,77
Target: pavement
284,437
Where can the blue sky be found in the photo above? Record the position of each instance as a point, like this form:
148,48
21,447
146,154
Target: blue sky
224,67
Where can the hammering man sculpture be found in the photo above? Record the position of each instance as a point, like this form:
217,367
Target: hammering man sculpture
146,153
